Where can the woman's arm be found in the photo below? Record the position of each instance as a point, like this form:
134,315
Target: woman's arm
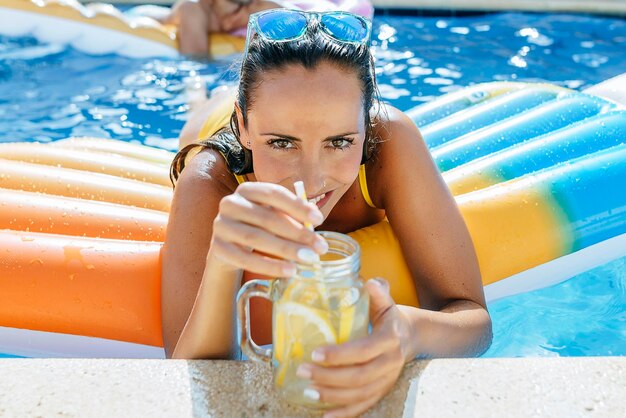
213,227
184,259
453,320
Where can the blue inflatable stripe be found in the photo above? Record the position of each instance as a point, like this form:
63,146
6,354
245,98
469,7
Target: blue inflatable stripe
590,135
592,191
542,119
485,114
450,103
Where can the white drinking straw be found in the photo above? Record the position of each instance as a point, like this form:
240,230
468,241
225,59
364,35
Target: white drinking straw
301,193
321,287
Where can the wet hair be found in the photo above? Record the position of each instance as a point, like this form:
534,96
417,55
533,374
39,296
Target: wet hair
264,55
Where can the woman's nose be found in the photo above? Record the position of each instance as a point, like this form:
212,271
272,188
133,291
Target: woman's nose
314,179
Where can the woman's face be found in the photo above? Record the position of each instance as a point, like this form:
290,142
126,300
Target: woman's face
308,125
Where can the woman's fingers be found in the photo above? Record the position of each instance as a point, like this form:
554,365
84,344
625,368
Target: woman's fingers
269,219
238,208
235,255
356,399
350,376
356,352
276,196
262,241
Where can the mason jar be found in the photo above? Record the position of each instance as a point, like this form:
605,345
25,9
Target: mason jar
324,303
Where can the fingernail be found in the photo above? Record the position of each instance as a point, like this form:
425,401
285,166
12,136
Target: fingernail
380,282
312,394
317,356
307,255
316,217
321,246
304,371
289,271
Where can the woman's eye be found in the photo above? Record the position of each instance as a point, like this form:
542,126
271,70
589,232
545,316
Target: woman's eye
281,144
341,143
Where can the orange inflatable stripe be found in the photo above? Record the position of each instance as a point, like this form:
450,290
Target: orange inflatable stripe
81,286
84,185
36,212
112,164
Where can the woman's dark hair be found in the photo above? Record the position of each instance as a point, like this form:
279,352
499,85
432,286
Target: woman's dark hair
266,55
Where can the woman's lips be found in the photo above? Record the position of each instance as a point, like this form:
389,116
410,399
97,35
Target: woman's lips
321,200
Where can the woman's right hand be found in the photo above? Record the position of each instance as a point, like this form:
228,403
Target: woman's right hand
260,228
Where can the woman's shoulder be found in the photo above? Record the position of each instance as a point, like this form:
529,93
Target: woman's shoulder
206,171
394,133
390,120
399,147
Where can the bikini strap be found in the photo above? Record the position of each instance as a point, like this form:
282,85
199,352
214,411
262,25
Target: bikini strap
363,183
240,179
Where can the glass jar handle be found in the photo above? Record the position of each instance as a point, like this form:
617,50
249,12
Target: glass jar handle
253,288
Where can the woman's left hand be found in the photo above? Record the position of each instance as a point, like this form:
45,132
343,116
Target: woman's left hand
356,375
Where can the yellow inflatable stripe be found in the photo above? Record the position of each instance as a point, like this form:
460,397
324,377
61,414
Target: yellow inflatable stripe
510,231
470,182
517,229
381,256
221,44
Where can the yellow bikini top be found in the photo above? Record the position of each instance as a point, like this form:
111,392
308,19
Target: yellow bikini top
220,117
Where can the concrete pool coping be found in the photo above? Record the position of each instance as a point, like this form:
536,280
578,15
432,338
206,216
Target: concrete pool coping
553,387
617,7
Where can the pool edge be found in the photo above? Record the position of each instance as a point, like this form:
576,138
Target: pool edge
448,387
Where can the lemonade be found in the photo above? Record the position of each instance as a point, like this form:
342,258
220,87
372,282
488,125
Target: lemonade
324,303
305,318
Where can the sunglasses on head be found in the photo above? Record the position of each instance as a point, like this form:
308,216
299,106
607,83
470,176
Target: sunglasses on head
283,25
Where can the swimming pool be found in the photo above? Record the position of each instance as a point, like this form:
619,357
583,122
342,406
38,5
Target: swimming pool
49,92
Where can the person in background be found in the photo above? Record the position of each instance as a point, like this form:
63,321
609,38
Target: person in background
197,19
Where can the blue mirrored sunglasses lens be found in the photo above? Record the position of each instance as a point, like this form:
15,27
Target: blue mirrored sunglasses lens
282,24
345,27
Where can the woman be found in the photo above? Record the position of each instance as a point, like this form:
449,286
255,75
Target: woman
306,110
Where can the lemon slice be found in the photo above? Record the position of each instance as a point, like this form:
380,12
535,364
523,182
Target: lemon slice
346,323
298,331
301,324
346,313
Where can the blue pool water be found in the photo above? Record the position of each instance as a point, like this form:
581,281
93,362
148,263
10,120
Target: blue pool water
49,92
583,316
